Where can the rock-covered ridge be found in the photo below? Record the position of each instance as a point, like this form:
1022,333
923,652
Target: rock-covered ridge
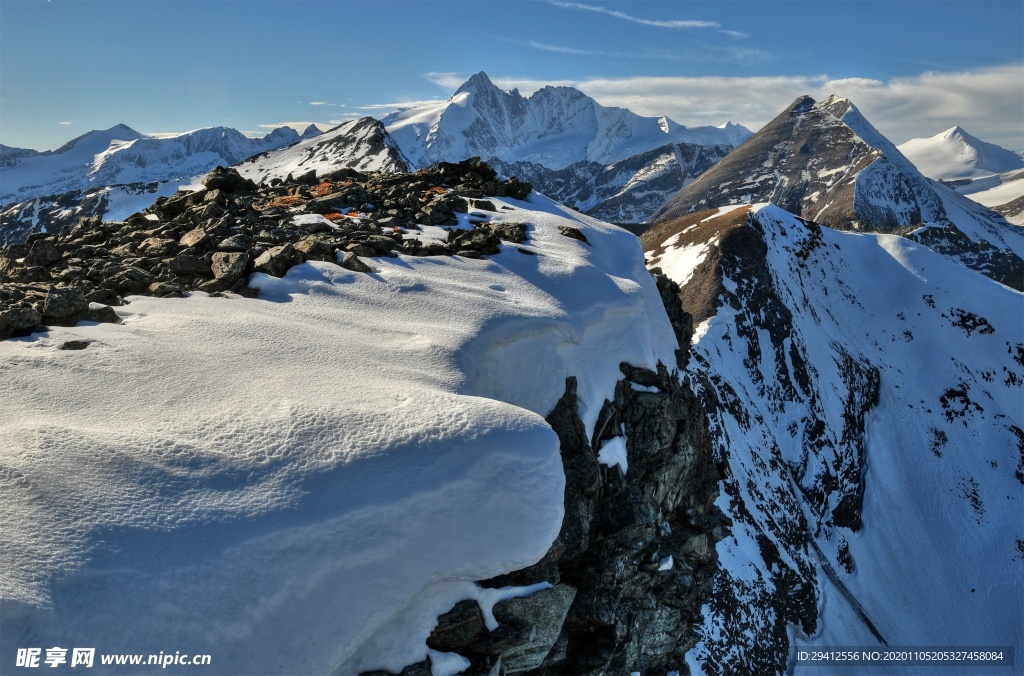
634,561
212,239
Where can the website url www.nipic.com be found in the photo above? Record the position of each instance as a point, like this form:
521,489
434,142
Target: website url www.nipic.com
31,658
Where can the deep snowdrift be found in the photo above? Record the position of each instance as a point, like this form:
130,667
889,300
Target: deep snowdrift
302,485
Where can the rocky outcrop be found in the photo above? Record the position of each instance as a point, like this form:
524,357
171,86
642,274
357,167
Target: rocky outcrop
635,559
212,239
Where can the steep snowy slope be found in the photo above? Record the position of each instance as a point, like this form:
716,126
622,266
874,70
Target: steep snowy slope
361,144
114,173
335,461
1003,193
954,154
555,127
865,397
825,162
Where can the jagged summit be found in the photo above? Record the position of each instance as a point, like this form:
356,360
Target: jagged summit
477,82
554,127
806,160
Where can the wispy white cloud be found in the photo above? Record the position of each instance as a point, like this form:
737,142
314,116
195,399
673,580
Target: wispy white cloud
564,50
404,104
672,23
65,122
325,103
452,81
691,52
988,102
447,80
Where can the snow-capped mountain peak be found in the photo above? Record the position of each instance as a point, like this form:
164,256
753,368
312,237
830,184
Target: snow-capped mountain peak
362,144
554,127
310,132
98,140
955,154
476,83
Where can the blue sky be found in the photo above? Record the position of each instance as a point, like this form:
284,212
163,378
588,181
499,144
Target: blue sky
914,68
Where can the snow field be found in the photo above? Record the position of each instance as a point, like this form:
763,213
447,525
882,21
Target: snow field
337,461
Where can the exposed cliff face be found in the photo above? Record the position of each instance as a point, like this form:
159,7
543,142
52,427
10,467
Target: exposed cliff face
634,561
863,398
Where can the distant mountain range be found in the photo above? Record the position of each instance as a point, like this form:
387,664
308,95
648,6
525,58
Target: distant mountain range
608,162
114,172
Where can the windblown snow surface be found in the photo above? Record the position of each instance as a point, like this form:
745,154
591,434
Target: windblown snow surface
938,558
300,483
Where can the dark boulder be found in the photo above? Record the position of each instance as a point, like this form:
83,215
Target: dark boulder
227,180
277,261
